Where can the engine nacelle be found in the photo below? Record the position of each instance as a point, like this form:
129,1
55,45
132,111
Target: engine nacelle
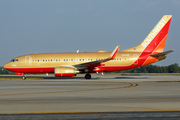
65,71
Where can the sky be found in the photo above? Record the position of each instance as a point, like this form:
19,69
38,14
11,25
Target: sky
45,26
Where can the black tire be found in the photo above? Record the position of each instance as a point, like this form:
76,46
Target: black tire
88,76
23,77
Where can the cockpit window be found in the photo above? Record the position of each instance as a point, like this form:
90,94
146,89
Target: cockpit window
14,60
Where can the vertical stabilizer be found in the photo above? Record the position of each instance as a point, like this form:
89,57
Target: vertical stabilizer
154,42
156,39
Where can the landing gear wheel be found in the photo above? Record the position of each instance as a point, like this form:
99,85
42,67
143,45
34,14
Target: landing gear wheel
23,77
88,76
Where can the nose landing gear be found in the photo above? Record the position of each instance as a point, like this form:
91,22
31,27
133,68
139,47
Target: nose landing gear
23,77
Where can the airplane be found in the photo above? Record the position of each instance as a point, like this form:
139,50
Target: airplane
70,64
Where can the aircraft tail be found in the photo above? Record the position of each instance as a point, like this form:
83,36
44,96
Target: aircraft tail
154,43
156,39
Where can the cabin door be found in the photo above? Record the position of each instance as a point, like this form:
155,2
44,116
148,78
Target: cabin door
27,61
135,57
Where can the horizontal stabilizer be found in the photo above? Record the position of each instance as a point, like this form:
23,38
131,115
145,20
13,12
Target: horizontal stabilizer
161,53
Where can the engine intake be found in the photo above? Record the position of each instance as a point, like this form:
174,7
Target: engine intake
65,71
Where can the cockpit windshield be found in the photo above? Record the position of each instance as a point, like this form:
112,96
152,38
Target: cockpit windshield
14,60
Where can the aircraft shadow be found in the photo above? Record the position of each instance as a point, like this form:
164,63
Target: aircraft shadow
74,78
62,77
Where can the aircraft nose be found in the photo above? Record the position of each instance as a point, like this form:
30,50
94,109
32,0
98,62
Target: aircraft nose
6,65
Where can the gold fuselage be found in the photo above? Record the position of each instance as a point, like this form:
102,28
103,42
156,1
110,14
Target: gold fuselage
61,59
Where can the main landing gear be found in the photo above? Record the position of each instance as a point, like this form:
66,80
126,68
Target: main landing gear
88,76
23,77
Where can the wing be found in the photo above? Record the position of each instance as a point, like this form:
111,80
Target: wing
161,53
95,63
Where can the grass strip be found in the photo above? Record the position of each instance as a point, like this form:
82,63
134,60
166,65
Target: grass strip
164,74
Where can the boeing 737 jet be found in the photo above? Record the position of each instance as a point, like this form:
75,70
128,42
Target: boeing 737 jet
69,64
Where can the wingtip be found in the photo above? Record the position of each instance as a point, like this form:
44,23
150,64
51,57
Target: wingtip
117,48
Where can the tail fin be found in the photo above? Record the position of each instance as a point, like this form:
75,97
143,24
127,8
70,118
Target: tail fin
156,39
154,43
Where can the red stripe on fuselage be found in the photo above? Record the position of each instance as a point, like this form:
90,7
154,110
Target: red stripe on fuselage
116,68
32,70
51,69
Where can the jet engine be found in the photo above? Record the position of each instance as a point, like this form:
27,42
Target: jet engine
65,71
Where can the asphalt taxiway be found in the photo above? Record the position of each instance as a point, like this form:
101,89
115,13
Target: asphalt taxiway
108,93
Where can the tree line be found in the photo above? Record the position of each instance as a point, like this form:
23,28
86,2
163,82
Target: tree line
173,68
4,71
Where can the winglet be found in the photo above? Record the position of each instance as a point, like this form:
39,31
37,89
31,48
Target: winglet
113,54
